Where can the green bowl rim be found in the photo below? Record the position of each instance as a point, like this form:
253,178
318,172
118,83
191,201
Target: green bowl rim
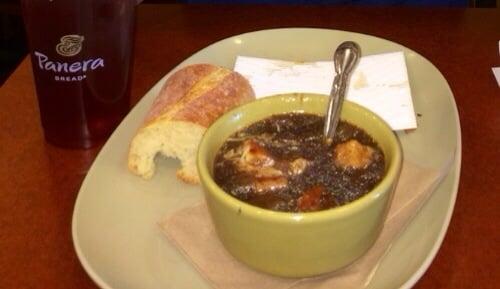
343,211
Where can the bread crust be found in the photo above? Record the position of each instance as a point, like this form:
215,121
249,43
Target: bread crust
187,178
175,88
209,102
233,90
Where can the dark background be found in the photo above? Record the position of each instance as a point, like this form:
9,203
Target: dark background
13,46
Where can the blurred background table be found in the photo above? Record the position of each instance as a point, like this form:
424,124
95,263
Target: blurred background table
39,183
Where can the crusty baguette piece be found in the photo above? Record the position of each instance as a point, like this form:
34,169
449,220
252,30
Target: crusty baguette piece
190,100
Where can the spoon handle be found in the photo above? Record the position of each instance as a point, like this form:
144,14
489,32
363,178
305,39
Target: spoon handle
334,107
345,59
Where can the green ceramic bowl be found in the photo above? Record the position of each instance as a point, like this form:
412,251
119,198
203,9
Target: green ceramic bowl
297,244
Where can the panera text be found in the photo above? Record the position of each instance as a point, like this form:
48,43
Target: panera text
44,63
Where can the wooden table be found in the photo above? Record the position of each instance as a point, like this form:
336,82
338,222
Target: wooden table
39,182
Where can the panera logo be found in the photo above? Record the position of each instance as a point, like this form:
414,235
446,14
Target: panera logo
70,45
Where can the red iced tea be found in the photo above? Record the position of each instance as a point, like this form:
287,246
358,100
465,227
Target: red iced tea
81,53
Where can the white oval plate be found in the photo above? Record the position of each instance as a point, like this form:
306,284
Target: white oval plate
115,231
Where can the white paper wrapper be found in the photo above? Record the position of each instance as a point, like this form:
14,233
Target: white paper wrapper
379,83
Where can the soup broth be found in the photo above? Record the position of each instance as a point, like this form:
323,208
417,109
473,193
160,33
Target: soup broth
282,163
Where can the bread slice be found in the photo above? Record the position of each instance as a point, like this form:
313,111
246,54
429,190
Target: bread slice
190,100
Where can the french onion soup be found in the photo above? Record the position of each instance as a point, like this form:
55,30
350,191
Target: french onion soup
282,163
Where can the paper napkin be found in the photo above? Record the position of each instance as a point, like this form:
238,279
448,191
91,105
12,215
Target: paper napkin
192,232
496,72
379,83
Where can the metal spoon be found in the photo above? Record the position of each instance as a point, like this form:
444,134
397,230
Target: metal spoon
345,59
